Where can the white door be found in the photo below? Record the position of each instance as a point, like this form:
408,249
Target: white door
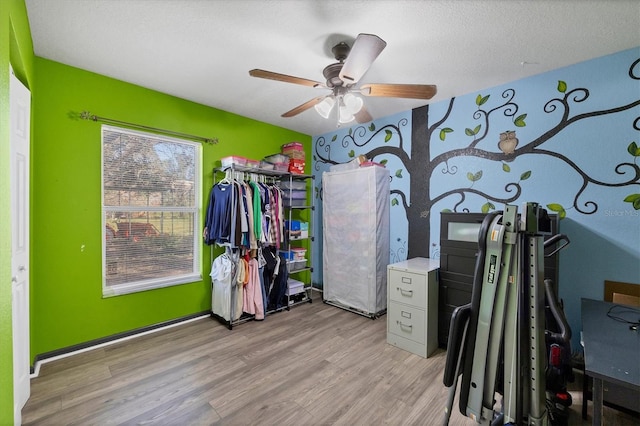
20,110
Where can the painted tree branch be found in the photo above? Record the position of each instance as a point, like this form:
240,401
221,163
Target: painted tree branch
402,197
471,151
460,191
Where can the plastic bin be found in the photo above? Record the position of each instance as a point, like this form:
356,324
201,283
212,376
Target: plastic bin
288,255
296,166
294,225
265,165
295,194
296,265
254,164
281,167
294,287
294,202
277,159
294,184
233,160
299,253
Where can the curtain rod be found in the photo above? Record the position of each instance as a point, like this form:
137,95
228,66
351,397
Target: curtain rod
86,115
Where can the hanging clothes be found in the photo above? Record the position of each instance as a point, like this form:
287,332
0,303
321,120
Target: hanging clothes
219,211
221,277
253,303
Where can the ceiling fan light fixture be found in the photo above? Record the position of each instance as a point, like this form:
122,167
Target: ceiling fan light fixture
324,108
350,105
353,103
345,115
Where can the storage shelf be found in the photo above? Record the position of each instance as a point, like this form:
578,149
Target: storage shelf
259,171
279,177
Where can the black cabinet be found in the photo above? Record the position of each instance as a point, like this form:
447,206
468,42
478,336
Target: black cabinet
458,250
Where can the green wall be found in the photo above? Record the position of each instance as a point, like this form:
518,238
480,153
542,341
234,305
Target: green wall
6,347
67,305
16,49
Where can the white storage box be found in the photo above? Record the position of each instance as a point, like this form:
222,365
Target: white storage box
294,184
299,253
233,160
294,287
277,159
296,265
288,202
295,194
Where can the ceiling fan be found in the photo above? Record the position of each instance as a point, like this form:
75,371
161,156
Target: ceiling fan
341,79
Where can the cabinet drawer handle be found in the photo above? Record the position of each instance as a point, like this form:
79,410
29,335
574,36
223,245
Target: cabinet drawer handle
401,324
403,291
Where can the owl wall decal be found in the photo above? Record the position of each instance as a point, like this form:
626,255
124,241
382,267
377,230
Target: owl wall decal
508,142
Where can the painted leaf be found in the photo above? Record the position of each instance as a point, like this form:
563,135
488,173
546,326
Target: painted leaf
485,208
633,149
444,131
468,132
315,158
474,177
350,131
562,86
446,211
477,129
506,167
334,138
555,207
372,127
481,99
634,199
399,173
395,202
387,135
352,154
383,162
526,175
519,121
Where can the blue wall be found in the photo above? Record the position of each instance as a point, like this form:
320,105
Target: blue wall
577,129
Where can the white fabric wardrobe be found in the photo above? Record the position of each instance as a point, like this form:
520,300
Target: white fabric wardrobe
355,235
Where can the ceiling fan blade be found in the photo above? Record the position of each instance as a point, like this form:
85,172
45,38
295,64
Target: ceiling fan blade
285,78
364,51
363,116
413,91
305,106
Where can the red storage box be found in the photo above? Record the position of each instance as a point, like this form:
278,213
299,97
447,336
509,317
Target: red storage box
296,166
293,150
297,146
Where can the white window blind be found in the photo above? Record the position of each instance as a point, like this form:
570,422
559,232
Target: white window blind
150,211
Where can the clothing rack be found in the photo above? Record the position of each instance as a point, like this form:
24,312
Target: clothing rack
236,254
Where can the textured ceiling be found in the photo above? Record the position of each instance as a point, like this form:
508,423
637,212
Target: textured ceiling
202,50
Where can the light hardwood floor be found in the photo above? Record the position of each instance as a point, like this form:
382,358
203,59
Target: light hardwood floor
313,365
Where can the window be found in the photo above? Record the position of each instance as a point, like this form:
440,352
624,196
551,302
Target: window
150,211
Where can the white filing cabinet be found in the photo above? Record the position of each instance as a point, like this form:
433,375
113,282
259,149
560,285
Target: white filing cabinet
412,308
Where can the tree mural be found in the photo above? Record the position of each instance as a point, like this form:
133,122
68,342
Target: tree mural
420,163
